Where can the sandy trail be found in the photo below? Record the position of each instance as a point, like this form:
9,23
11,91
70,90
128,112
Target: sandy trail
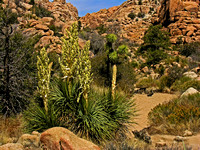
144,104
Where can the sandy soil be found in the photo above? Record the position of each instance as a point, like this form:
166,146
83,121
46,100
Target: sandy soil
144,104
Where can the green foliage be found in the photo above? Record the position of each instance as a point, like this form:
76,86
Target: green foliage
174,73
40,11
178,84
56,30
17,81
146,83
141,15
163,82
155,44
113,57
36,118
181,114
100,120
44,75
101,29
188,84
189,48
111,38
140,2
122,49
32,2
132,15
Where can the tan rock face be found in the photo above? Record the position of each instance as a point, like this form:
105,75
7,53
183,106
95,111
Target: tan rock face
58,137
116,20
182,19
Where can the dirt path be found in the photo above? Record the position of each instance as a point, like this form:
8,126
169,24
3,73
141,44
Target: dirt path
144,104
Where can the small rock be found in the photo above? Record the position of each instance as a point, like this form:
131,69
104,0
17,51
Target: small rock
179,138
41,27
187,133
161,143
28,140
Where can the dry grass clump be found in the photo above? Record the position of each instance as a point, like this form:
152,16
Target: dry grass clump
11,129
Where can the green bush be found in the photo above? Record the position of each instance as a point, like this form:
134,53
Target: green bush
132,15
40,11
189,48
55,30
141,15
192,83
177,115
155,43
178,84
146,83
174,73
101,29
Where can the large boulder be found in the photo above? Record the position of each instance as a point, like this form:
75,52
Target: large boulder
58,138
190,91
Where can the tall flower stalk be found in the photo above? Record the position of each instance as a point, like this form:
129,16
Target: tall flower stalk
44,75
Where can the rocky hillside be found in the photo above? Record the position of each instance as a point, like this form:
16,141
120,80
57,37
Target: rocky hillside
181,18
129,20
49,19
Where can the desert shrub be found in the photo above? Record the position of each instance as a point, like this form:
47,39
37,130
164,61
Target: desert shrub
132,15
141,15
11,128
155,43
177,115
101,29
96,41
56,30
40,11
189,48
37,119
146,83
191,83
126,75
177,85
163,82
174,73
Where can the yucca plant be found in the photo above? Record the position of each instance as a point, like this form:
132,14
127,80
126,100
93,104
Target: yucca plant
91,122
36,118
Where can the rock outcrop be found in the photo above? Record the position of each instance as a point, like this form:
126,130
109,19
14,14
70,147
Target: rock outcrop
116,19
62,16
181,18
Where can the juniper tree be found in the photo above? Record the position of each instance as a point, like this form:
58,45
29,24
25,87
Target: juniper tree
44,75
16,51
